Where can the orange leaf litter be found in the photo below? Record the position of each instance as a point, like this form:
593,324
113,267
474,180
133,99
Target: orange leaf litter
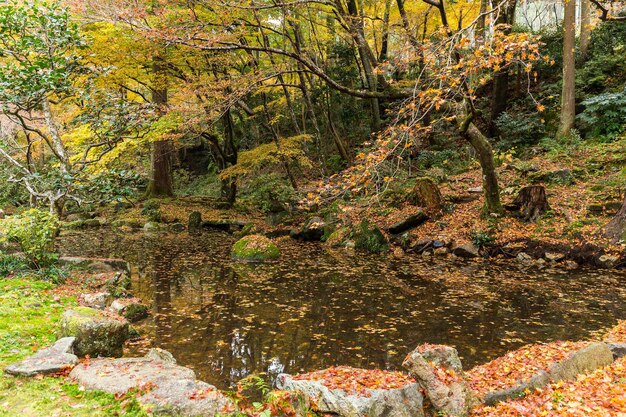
357,381
519,365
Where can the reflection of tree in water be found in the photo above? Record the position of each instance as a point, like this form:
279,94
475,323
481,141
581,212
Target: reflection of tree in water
315,308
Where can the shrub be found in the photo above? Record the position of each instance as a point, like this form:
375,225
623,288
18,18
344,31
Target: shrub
605,115
519,130
271,193
482,238
34,230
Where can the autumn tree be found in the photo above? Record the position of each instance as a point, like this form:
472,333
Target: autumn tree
50,92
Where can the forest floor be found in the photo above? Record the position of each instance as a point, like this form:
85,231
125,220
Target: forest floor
585,187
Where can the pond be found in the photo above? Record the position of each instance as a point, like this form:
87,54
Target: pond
318,307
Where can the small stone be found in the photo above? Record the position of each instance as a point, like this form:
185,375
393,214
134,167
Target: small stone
554,256
57,358
255,248
135,312
468,250
608,261
98,300
151,227
442,251
617,349
195,220
569,264
524,257
475,190
313,229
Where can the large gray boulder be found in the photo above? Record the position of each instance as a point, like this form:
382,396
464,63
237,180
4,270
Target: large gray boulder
438,370
96,333
56,358
170,388
400,402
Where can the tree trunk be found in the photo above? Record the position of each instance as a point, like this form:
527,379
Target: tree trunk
585,26
568,95
499,99
160,184
56,144
616,228
428,196
531,202
367,57
483,148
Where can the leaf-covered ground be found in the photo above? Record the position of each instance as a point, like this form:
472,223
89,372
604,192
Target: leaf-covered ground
599,394
357,381
519,365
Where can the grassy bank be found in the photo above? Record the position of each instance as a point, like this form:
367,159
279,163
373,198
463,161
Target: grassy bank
29,312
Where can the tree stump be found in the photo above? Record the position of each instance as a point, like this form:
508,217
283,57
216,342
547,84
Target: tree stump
531,202
616,228
427,195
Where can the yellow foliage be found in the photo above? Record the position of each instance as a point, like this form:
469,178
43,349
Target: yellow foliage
268,154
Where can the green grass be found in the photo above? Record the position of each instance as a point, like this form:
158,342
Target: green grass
28,320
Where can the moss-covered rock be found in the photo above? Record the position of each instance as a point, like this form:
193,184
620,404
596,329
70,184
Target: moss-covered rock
255,248
96,334
82,224
135,312
131,223
338,237
370,238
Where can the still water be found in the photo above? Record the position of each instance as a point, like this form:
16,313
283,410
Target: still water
318,307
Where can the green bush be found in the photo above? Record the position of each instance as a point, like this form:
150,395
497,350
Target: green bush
604,116
519,130
34,230
271,193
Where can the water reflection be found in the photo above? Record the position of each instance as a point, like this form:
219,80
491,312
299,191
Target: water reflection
319,307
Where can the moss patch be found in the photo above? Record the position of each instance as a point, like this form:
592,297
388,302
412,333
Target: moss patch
34,303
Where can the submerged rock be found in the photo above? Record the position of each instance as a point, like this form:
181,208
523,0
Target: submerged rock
96,264
255,248
398,402
169,387
56,358
96,334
